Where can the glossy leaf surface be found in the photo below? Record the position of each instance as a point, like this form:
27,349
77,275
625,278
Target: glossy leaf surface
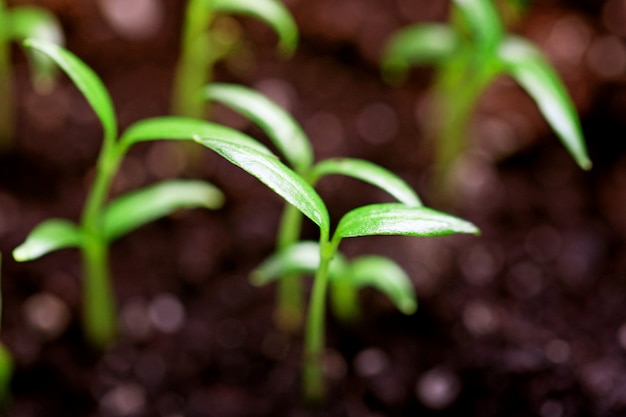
388,277
279,126
426,43
277,176
300,258
48,236
135,209
272,12
527,65
370,173
37,23
184,128
399,219
85,79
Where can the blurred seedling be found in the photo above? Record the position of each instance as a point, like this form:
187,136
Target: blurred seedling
469,53
16,24
210,36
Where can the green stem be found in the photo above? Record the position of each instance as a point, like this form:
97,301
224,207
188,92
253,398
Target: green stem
457,91
194,67
99,318
313,375
290,304
344,301
6,89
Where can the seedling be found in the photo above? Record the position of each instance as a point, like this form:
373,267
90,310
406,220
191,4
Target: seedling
101,223
469,54
208,39
407,217
16,24
289,138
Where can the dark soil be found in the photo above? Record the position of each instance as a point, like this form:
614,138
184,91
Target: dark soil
526,320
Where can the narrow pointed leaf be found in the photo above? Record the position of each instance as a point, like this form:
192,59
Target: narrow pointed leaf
277,176
37,23
135,209
425,43
527,65
184,128
85,79
482,19
400,219
388,277
48,236
272,12
279,125
370,173
300,258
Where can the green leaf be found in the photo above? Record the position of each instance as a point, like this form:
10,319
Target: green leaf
85,80
48,236
527,65
388,277
399,219
279,126
370,173
482,19
425,43
273,173
272,12
37,23
300,258
133,210
184,128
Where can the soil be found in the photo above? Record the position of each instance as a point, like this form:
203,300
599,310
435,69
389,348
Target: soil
527,319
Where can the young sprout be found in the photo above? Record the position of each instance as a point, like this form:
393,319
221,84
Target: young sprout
289,138
16,24
102,222
207,39
469,54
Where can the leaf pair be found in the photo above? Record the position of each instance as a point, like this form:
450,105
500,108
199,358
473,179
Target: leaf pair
122,215
438,44
374,271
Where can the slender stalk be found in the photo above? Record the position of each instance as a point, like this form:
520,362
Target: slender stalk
289,313
6,89
100,320
196,61
313,375
457,92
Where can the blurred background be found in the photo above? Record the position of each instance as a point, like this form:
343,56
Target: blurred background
527,319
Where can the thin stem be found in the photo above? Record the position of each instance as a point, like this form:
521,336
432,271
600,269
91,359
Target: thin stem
6,90
99,309
457,92
196,61
290,305
313,375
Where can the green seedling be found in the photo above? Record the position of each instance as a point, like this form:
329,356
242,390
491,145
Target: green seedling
208,37
291,141
469,54
100,222
407,217
16,24
6,363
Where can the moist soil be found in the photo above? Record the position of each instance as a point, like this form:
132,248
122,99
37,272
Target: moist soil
527,319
